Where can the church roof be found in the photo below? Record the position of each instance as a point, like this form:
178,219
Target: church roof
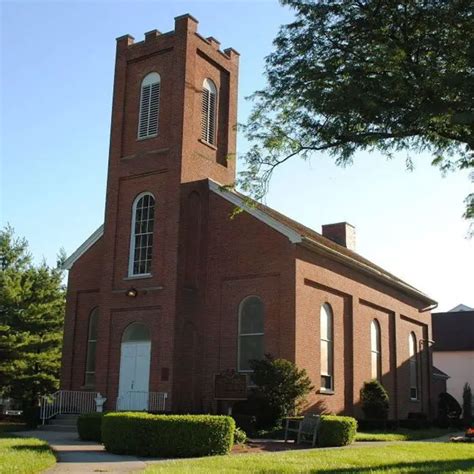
300,234
297,233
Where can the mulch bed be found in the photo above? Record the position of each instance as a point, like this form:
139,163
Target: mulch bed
256,446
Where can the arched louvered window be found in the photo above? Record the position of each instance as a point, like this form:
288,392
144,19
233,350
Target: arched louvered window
149,106
327,348
413,363
89,379
208,112
251,332
141,241
375,349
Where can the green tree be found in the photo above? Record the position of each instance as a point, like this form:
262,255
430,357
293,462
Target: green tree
375,400
281,384
351,75
467,405
32,300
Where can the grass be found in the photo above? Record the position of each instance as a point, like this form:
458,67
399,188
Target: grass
402,434
24,455
402,458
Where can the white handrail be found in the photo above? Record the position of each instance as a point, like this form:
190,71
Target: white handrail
142,401
66,401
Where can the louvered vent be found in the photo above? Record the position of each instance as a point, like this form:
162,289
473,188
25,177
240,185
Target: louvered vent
208,112
149,106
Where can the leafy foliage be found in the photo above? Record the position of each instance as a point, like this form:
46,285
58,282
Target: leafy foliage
449,409
89,426
349,75
375,400
167,435
240,436
281,384
467,404
337,430
32,302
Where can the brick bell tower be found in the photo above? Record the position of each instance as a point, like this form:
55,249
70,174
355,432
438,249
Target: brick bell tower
173,122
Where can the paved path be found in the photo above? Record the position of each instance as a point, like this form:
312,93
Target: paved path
75,456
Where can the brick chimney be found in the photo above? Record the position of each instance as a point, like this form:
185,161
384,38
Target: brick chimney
342,233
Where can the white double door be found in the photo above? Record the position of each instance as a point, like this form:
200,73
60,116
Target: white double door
134,376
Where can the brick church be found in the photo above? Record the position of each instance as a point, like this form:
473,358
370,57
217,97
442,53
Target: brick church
171,291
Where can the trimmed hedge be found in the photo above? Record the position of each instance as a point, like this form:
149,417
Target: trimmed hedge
182,436
336,430
89,426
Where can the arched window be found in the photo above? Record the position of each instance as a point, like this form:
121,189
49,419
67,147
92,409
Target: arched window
327,350
413,362
141,241
89,379
251,315
375,348
136,332
208,112
149,106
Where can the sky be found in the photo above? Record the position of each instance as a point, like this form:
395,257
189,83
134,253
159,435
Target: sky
57,61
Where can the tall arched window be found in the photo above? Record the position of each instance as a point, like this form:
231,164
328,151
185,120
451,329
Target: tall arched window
89,379
251,316
149,106
141,241
208,112
375,349
327,349
413,362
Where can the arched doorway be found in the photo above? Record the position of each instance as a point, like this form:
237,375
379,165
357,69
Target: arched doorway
134,368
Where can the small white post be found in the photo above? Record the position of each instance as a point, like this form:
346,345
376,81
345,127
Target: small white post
99,403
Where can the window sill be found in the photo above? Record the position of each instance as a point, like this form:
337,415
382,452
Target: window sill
139,139
210,145
138,277
414,400
325,391
90,388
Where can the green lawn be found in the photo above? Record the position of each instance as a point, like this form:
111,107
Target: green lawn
401,458
402,435
24,455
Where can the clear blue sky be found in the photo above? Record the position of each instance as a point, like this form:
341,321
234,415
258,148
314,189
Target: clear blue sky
56,91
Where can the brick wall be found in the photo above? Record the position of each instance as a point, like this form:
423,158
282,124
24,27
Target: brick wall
205,263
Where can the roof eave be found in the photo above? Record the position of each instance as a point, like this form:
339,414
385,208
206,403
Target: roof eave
347,260
82,249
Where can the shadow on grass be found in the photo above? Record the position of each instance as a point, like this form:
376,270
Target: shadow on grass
41,448
420,466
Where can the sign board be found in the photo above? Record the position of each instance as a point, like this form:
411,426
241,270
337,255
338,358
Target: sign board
230,385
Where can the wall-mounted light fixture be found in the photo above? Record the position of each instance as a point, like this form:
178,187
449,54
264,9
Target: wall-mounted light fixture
132,292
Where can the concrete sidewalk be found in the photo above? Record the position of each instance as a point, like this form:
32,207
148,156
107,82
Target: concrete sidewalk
84,456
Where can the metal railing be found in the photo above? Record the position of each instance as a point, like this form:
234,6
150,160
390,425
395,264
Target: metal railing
66,401
142,401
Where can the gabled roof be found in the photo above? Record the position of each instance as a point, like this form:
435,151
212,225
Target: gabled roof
296,233
299,234
460,307
439,373
93,238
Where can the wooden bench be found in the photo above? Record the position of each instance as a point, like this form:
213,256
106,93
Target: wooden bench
306,428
